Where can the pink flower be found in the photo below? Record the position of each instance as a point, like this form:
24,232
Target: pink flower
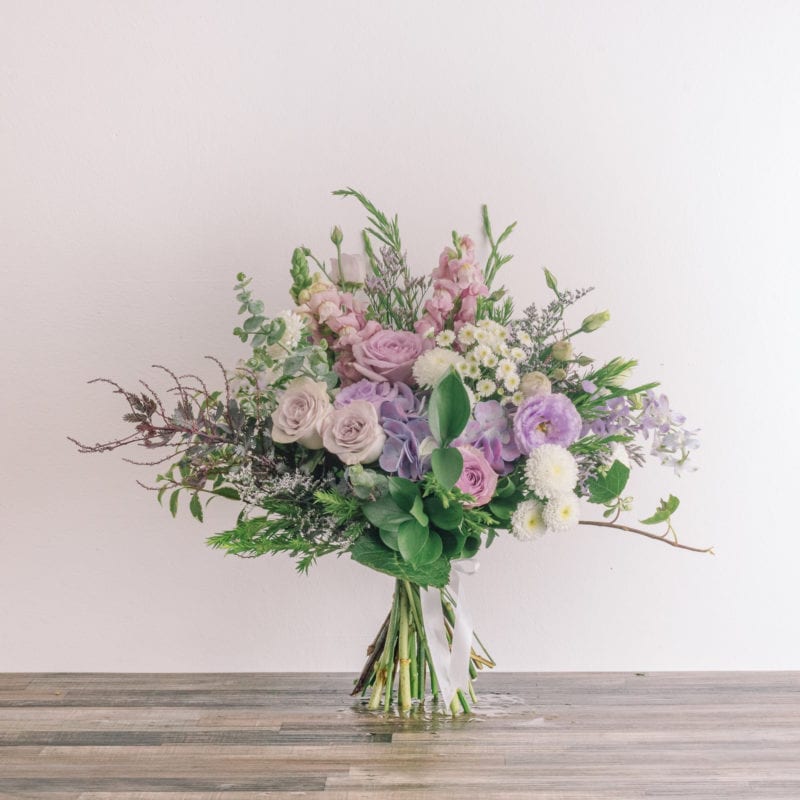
389,355
353,269
477,478
354,433
300,412
345,366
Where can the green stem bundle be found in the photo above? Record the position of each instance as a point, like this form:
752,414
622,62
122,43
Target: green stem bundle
399,657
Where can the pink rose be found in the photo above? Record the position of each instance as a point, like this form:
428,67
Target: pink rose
300,412
354,433
389,355
477,478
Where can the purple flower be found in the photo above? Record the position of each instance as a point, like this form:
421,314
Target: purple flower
389,355
375,393
405,430
491,433
477,477
548,419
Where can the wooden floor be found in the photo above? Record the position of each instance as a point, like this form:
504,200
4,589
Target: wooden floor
606,736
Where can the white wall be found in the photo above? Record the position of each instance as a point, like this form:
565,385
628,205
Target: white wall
150,150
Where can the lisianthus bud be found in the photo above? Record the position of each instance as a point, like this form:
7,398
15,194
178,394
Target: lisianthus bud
534,384
584,361
336,235
558,374
562,351
348,269
594,321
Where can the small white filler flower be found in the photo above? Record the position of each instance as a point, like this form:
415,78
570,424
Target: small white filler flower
527,522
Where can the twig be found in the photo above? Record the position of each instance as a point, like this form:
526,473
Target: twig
655,536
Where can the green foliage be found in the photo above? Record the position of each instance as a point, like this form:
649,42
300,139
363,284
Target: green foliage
385,230
608,486
370,551
666,508
449,409
447,464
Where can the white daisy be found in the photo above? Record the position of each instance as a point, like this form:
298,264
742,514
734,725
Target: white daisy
505,368
485,387
511,382
445,338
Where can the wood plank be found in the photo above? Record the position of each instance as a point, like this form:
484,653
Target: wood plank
548,736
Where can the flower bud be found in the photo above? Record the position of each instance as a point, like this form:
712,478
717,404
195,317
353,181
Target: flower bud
336,235
584,361
534,384
558,374
595,321
562,351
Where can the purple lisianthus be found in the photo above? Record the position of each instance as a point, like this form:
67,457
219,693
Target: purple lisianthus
548,419
372,392
490,432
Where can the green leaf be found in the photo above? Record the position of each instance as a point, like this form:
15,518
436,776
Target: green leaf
608,487
418,512
370,551
431,551
447,464
385,513
390,539
471,546
404,492
449,518
666,508
161,492
449,408
196,507
227,491
501,510
412,538
173,502
252,324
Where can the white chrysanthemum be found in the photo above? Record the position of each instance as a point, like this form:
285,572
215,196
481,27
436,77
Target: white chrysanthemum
561,512
463,368
466,335
501,333
491,361
511,382
505,368
524,339
433,364
485,387
484,336
293,333
473,371
517,398
551,470
517,354
527,522
445,338
481,352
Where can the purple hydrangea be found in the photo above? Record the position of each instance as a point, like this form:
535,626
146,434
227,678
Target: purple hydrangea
490,432
405,430
372,392
547,419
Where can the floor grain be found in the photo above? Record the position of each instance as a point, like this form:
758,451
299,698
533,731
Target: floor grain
551,736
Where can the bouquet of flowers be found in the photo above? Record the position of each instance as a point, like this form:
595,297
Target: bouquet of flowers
407,422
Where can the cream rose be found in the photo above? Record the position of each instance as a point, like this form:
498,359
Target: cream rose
535,384
353,433
300,412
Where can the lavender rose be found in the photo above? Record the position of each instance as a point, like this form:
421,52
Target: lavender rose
546,419
389,355
300,412
477,477
353,433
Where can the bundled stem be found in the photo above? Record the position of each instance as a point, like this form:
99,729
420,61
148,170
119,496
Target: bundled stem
399,656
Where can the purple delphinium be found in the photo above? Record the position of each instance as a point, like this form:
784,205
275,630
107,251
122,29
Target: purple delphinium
405,430
372,392
490,432
546,419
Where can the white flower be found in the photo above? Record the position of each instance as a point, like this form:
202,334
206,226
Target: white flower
517,354
505,368
481,353
295,329
445,338
473,371
551,470
517,398
483,336
429,368
485,388
491,361
511,382
561,512
527,522
353,269
466,335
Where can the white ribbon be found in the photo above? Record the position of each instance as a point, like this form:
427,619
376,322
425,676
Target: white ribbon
451,662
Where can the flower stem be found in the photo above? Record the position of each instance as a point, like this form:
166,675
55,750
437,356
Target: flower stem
403,654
